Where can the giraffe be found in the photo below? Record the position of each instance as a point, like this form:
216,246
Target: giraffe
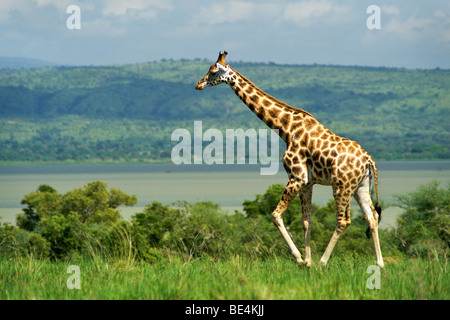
314,155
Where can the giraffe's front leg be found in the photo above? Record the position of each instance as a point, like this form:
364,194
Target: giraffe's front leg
291,190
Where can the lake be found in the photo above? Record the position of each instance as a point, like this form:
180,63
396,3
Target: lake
227,185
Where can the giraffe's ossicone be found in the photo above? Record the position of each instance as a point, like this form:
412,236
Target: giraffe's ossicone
314,155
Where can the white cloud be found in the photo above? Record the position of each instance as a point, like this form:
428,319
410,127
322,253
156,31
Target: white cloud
412,28
136,8
7,6
392,10
235,11
60,4
274,12
102,27
313,12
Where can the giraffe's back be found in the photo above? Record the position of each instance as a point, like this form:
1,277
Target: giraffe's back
329,158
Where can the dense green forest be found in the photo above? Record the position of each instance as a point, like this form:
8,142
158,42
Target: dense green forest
127,113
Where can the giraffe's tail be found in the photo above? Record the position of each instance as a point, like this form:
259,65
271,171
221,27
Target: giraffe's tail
374,177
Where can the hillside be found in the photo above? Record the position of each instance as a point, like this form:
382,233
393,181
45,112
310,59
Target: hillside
128,112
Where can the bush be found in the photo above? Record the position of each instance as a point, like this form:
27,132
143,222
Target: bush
16,242
424,226
58,225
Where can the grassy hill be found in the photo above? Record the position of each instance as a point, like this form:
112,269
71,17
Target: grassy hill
128,112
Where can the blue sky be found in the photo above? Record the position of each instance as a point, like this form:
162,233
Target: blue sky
413,34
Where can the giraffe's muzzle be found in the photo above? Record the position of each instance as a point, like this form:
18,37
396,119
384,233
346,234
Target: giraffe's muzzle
200,85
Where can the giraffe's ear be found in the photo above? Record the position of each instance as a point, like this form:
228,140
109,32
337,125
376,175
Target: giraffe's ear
221,58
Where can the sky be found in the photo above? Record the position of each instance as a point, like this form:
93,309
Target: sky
410,33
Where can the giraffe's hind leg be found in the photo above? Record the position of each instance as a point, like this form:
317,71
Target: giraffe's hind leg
291,190
362,196
306,197
343,200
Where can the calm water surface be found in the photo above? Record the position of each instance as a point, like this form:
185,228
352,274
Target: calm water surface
227,185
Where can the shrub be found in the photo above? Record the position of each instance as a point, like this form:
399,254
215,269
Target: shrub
424,226
57,225
16,242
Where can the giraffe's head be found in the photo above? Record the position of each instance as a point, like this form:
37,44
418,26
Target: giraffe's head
217,74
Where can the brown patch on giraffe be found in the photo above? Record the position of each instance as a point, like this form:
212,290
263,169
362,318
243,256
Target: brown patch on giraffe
314,134
296,170
274,113
296,126
333,138
340,149
266,103
316,156
254,98
249,90
330,163
333,153
351,150
324,135
285,120
303,142
310,123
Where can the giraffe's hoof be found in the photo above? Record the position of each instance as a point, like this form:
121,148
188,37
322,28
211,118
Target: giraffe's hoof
305,263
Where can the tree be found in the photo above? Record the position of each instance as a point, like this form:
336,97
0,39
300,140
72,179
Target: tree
424,226
60,222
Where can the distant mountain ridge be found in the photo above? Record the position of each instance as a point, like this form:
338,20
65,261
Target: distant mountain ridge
24,63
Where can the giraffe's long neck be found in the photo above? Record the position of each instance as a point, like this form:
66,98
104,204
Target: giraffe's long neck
274,113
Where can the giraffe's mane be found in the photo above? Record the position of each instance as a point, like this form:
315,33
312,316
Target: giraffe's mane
275,100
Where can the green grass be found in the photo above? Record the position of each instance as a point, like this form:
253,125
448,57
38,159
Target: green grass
232,278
